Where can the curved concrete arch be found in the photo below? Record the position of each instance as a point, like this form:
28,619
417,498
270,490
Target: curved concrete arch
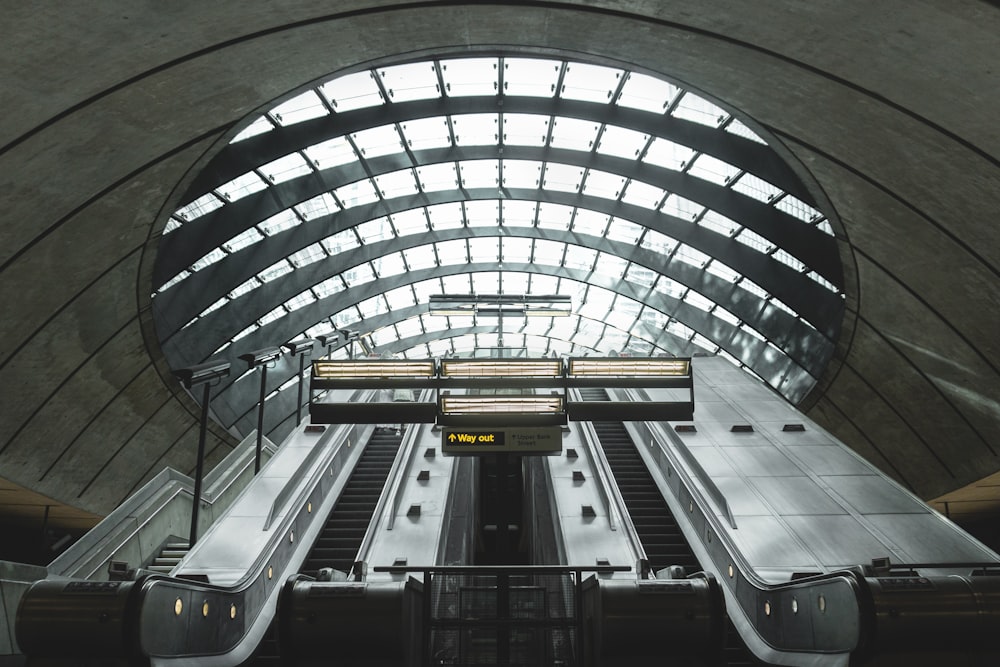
107,126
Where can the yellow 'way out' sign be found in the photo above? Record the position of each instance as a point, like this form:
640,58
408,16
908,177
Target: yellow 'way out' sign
544,440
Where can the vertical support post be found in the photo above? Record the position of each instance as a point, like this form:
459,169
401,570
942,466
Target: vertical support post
578,610
260,418
298,404
45,528
427,625
503,619
503,533
200,465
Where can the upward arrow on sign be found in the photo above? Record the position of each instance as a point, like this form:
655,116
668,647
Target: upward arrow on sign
451,437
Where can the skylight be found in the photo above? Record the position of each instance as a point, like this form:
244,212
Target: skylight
523,179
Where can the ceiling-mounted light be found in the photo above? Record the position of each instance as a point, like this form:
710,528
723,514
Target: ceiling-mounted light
501,305
201,373
261,357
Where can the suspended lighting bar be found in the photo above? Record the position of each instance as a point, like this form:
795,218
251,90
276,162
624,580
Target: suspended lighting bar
364,369
501,368
629,367
503,405
501,305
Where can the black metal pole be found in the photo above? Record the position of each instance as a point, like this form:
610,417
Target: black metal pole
45,529
260,419
200,466
298,405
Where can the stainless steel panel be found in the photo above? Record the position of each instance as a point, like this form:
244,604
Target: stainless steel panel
722,434
284,466
838,541
742,499
811,436
930,538
717,374
704,394
697,439
765,542
235,543
761,461
258,500
710,411
796,495
772,410
713,462
830,460
870,494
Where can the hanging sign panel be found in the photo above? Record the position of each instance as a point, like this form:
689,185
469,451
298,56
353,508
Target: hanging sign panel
545,440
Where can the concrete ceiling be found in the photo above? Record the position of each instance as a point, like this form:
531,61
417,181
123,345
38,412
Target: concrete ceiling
110,112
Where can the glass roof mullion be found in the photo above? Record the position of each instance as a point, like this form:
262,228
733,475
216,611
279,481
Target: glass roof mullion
465,213
560,80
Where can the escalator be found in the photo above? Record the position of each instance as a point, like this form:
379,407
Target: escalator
661,537
342,534
340,539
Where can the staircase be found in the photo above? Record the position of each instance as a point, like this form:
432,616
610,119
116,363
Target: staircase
659,533
168,558
341,537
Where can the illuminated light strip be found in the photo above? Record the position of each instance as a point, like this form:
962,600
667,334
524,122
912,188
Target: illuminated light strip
482,405
629,367
492,368
361,369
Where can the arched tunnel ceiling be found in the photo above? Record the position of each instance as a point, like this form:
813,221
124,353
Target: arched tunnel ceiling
889,107
370,191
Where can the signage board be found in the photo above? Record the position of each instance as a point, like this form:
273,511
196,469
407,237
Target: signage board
543,440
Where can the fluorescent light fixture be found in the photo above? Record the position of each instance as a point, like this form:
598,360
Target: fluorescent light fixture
497,305
629,367
261,357
297,347
368,369
502,404
201,373
501,368
330,339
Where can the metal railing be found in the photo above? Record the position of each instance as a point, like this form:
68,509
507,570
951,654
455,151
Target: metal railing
131,527
527,611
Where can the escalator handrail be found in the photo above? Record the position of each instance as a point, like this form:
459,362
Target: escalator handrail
611,494
286,492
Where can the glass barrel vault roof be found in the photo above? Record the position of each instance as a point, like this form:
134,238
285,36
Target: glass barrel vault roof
673,225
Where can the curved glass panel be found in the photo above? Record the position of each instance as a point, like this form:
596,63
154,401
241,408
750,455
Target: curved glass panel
669,222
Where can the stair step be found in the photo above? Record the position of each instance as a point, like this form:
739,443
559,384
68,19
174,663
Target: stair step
338,543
